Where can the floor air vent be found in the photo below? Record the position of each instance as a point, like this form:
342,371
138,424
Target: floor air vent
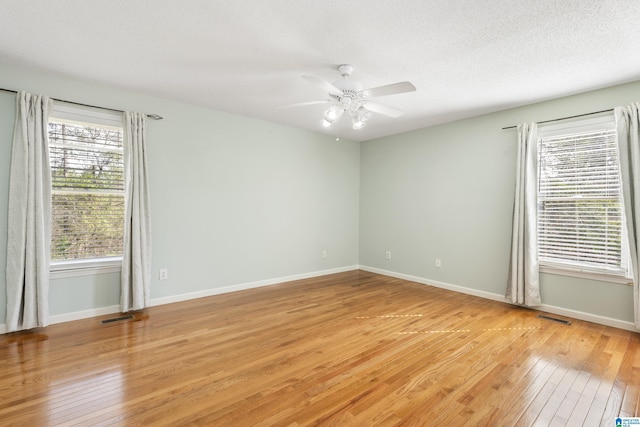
115,319
555,319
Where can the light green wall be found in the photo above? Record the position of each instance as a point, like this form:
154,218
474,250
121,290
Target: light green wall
447,192
234,200
237,200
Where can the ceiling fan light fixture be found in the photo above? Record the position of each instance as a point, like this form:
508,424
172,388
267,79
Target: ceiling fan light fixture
332,114
364,114
326,123
358,124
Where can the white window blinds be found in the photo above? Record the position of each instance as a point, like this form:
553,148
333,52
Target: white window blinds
580,214
87,172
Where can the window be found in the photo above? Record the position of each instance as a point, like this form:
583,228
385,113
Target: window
87,176
580,211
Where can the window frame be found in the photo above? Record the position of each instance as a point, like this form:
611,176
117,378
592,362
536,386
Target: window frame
600,122
90,116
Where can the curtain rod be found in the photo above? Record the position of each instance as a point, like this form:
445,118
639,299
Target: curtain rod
565,118
151,116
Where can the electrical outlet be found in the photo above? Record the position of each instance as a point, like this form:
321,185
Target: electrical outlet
438,262
324,254
388,255
164,274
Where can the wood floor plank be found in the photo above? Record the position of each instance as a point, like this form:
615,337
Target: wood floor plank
568,404
354,348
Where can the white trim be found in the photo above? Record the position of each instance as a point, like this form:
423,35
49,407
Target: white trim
90,116
87,267
583,274
76,315
603,121
437,284
244,286
579,315
85,314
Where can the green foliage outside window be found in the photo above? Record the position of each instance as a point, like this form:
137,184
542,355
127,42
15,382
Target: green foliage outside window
87,191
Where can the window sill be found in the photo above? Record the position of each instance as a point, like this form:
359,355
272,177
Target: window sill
602,277
64,269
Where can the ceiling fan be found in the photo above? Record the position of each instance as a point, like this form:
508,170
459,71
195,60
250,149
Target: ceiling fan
347,96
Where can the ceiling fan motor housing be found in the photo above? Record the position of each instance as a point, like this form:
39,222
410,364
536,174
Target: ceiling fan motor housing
345,70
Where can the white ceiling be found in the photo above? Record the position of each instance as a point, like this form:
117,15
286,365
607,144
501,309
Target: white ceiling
466,57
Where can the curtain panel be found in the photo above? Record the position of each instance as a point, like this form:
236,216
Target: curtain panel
628,127
29,216
136,259
523,285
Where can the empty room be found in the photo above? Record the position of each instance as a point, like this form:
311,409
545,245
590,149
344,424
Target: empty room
296,213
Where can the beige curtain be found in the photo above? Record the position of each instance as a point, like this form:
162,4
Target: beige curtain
523,285
136,260
29,216
628,124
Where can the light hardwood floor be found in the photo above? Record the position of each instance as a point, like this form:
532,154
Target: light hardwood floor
353,348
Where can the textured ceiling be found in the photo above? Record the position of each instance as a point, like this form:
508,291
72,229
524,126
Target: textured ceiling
466,57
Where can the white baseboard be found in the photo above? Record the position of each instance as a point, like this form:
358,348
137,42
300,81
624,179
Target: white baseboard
580,315
437,284
85,314
243,286
593,318
76,315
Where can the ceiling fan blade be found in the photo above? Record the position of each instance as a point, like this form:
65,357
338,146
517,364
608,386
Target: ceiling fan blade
323,84
383,109
391,89
302,104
